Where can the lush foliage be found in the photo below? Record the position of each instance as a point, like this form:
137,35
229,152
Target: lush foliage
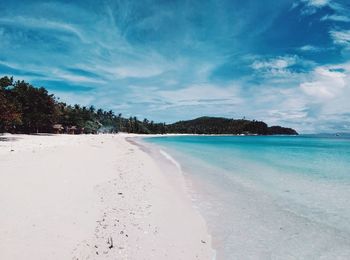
27,109
9,113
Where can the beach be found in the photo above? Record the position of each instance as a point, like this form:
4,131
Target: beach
94,197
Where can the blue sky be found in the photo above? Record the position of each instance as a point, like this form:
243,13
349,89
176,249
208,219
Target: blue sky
285,62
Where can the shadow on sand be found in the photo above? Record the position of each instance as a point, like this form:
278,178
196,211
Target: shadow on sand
5,138
8,139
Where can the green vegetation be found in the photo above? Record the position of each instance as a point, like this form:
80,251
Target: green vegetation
27,109
217,125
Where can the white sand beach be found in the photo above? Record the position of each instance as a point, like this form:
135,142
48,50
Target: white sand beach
93,197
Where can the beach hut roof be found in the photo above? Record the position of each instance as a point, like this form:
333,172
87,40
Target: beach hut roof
57,126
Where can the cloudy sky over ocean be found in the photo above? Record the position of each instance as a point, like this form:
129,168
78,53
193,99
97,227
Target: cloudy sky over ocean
285,62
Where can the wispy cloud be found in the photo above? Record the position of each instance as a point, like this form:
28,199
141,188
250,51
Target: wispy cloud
281,69
337,18
317,3
312,48
339,12
275,64
41,24
341,37
206,93
70,77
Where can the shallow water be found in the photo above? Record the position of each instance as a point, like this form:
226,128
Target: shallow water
270,197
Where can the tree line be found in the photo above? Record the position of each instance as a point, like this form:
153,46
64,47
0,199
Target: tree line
28,109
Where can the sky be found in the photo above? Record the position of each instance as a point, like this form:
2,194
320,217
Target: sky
285,62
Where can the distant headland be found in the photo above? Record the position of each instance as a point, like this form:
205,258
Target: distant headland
220,125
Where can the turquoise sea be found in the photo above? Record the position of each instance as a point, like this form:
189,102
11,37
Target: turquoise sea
269,197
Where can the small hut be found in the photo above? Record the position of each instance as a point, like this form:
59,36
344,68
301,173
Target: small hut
57,128
71,130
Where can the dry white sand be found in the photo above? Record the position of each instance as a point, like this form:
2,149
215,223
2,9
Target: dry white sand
93,197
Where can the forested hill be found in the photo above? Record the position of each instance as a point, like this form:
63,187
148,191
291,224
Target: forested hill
219,125
28,109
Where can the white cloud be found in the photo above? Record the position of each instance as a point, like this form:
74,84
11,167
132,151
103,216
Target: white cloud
340,12
62,75
341,37
279,69
312,6
337,18
136,71
278,63
316,102
317,3
327,83
312,48
308,48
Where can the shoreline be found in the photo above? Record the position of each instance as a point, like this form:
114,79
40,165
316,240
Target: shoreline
180,134
94,196
175,174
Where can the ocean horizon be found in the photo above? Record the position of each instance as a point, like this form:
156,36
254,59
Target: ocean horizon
269,197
